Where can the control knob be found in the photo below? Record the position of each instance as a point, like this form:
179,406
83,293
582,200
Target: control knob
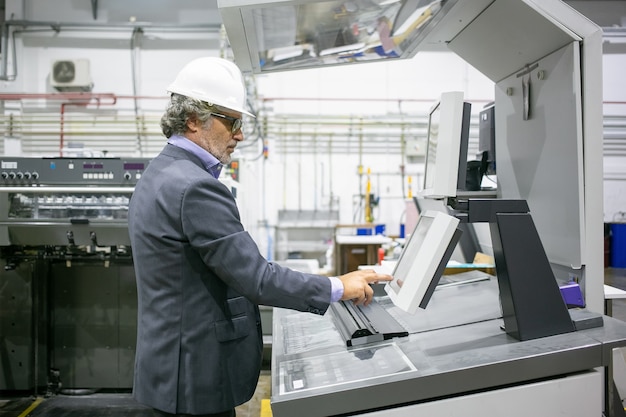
27,175
12,175
127,176
4,175
20,175
35,175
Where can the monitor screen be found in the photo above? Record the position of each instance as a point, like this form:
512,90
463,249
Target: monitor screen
432,142
423,261
446,146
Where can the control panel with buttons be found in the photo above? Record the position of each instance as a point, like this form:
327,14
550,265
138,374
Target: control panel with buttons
23,171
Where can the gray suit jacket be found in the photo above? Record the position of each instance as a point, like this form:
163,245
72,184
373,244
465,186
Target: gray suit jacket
200,279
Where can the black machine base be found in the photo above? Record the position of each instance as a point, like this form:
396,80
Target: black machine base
532,304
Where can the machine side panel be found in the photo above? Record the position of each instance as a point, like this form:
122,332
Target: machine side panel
547,399
540,159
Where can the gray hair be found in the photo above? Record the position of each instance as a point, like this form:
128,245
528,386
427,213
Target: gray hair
180,110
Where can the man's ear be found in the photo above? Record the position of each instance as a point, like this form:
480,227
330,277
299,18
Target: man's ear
192,124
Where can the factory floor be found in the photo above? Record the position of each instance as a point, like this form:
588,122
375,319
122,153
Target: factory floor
616,277
121,404
116,404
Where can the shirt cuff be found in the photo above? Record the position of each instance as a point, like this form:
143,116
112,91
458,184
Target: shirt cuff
336,289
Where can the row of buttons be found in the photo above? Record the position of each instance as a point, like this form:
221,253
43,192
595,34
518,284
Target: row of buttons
98,175
86,175
107,175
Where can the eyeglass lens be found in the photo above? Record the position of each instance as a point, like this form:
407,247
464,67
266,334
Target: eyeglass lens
235,122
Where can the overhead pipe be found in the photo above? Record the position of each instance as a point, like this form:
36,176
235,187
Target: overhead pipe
614,126
330,171
378,99
72,99
4,62
94,9
56,25
70,96
134,41
87,27
315,173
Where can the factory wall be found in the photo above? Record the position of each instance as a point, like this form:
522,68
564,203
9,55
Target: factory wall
615,137
282,181
361,91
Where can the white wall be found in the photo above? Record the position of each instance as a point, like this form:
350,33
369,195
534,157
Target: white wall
162,51
614,94
375,89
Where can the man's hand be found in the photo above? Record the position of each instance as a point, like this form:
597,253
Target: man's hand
356,285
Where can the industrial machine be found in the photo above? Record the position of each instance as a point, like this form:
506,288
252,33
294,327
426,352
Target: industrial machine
67,287
545,62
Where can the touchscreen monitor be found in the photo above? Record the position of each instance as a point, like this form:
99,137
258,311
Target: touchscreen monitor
423,260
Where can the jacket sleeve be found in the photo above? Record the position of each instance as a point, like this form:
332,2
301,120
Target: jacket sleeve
211,222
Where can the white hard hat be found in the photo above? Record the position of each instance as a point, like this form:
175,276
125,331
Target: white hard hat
214,80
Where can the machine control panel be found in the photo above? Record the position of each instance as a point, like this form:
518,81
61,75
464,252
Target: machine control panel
24,171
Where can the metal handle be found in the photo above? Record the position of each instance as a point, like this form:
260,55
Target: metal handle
78,190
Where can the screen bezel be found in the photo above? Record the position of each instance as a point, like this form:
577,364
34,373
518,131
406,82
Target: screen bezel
441,172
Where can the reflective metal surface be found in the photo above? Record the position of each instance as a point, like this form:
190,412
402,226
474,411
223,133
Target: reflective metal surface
282,35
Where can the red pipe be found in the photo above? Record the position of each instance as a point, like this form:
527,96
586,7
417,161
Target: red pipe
70,96
71,99
55,96
85,98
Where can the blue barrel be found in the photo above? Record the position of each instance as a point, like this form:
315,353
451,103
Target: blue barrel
618,245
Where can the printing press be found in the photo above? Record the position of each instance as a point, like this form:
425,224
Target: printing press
68,278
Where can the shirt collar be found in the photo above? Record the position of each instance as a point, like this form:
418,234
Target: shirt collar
211,163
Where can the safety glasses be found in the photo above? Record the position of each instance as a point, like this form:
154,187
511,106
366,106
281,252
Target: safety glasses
235,123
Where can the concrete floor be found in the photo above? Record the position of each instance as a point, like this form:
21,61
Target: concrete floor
616,277
254,407
115,405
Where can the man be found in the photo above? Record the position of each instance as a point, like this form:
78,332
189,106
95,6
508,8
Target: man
200,276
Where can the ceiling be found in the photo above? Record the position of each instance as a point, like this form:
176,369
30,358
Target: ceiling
605,13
